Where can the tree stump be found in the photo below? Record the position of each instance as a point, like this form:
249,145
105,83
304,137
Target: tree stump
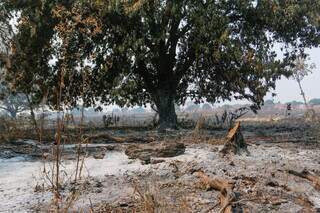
235,142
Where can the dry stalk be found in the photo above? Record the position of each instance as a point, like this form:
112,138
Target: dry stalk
34,120
80,138
58,137
146,200
199,126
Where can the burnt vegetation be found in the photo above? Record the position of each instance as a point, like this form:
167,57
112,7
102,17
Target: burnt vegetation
65,64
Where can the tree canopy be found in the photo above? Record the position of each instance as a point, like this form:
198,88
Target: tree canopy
315,101
5,28
5,32
13,104
158,52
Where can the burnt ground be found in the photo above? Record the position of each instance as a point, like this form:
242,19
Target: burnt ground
263,180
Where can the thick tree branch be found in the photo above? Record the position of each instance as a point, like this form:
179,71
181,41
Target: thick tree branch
142,70
182,68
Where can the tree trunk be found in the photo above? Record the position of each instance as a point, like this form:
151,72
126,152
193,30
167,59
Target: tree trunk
235,142
34,120
303,95
165,108
310,114
13,114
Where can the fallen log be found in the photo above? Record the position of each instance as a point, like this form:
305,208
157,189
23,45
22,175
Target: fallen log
145,152
307,205
106,138
235,142
225,187
309,176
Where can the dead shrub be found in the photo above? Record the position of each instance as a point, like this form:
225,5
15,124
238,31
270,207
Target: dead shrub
149,199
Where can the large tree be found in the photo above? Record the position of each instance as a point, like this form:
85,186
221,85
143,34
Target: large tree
162,52
5,32
12,103
5,28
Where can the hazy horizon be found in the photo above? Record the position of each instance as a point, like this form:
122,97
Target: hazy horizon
288,89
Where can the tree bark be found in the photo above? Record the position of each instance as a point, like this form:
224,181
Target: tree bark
13,114
164,101
303,94
34,120
235,142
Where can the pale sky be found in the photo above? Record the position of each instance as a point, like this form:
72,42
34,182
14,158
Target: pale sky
288,90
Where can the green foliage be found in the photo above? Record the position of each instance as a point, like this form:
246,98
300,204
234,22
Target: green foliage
30,72
301,69
5,33
158,52
5,27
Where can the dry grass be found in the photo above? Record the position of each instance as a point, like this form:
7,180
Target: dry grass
147,198
15,129
202,139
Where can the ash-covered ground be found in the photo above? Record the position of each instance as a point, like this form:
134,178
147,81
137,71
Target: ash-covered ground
111,182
